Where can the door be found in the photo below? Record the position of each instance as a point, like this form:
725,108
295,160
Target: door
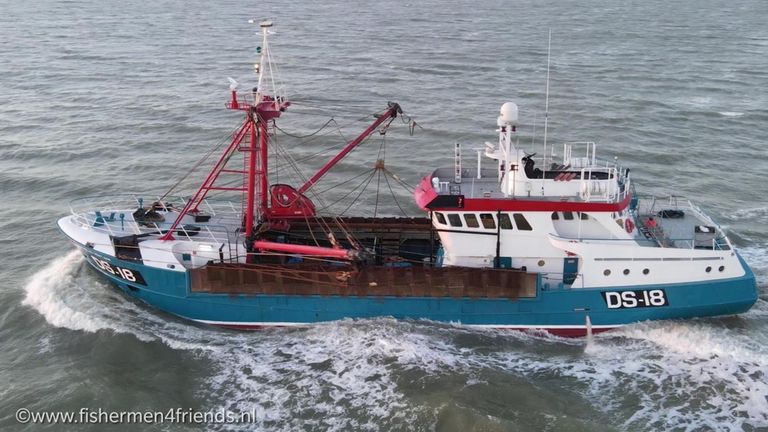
570,270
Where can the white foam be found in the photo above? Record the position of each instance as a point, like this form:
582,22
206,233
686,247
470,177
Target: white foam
689,375
67,298
43,292
731,113
337,376
757,258
756,214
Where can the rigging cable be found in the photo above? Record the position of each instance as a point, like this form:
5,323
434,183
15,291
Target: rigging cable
373,171
393,195
291,161
199,162
331,120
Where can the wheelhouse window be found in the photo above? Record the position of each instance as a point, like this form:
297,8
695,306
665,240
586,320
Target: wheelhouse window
504,221
555,216
487,220
440,218
471,220
455,220
583,216
567,215
522,222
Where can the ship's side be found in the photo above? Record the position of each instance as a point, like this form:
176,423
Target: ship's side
230,295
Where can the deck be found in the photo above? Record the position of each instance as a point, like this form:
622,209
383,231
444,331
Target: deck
350,280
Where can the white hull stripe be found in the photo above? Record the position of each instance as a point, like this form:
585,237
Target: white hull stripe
490,326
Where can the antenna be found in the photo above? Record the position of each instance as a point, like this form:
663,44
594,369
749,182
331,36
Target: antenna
265,70
546,110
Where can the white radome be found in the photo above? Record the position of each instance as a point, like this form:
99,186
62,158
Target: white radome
508,113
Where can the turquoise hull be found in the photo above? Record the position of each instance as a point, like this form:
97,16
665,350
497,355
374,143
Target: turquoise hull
559,311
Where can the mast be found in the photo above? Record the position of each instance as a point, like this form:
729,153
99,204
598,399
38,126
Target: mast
546,111
260,115
262,110
251,177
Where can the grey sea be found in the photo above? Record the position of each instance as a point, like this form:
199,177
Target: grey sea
104,97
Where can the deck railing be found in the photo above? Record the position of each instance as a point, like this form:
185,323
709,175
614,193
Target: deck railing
588,148
114,215
650,206
553,281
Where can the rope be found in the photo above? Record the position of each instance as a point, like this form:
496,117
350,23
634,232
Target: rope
198,163
361,192
294,165
371,172
344,182
394,197
402,182
312,134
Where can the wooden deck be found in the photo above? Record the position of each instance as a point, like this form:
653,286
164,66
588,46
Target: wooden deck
325,280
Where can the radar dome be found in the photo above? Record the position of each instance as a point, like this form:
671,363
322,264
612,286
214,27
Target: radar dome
508,113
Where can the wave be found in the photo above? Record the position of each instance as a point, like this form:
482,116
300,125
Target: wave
757,213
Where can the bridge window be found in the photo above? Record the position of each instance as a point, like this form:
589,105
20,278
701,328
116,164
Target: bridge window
440,218
583,216
504,221
555,216
522,222
487,220
471,220
567,215
454,219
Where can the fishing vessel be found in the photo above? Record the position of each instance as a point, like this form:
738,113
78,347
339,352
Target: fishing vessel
507,240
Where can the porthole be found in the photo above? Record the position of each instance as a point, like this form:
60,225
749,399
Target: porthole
646,271
709,269
721,268
607,272
541,263
626,272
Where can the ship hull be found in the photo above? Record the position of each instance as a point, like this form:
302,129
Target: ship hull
564,312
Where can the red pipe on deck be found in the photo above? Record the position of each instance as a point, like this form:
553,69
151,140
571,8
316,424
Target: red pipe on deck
304,250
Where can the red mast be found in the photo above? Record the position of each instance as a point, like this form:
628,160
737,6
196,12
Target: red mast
252,138
258,114
251,189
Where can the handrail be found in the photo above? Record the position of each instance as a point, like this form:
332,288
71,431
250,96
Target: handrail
602,189
670,242
545,286
111,208
590,157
